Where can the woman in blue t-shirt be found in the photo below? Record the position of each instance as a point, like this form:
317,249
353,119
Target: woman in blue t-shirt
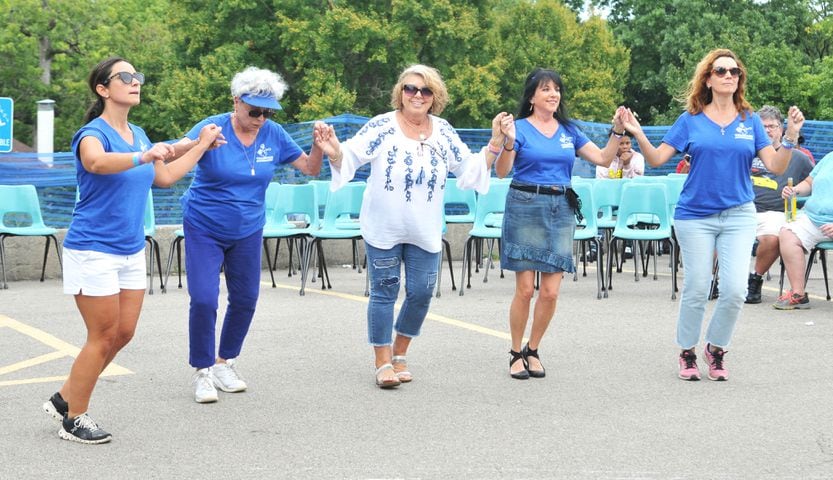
104,249
539,221
223,219
716,209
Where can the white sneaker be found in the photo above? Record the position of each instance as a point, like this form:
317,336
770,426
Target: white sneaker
226,377
203,381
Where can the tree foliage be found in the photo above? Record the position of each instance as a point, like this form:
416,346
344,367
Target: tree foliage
344,56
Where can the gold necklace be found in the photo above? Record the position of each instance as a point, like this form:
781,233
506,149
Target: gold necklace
419,129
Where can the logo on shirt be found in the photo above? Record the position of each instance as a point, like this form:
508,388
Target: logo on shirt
743,132
566,141
262,154
143,146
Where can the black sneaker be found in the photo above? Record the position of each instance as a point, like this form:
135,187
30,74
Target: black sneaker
83,429
56,406
753,290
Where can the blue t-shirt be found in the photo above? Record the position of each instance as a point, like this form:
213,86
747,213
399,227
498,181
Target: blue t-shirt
109,214
228,192
819,207
721,162
543,160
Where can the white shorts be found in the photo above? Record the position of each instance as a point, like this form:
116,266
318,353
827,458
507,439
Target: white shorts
807,232
97,274
770,223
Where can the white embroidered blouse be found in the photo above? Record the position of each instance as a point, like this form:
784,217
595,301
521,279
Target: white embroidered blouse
403,201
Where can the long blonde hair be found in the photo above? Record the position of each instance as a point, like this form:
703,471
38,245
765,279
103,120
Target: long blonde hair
698,95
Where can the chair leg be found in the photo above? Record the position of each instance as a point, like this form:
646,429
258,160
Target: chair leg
450,266
466,259
45,254
3,261
168,265
158,265
269,260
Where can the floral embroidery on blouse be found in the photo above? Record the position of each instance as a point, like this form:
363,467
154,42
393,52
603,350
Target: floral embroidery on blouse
391,163
377,142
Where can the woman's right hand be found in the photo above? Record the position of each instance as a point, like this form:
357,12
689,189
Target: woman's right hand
211,136
324,136
629,121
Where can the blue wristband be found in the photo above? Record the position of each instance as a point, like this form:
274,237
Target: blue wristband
137,159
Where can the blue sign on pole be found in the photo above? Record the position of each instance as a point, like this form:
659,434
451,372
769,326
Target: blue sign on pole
6,124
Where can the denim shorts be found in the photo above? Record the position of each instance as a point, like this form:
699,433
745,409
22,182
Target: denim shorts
537,233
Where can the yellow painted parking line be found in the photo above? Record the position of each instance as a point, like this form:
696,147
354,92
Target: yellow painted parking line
431,316
62,349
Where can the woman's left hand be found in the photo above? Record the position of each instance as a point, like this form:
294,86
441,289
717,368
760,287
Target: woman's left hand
618,123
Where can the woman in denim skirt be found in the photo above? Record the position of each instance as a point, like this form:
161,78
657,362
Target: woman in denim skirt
538,223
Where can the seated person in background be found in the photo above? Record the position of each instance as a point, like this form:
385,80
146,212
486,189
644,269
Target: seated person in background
685,164
627,164
813,225
768,201
799,146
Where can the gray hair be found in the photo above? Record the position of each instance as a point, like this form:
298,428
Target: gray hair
259,82
768,112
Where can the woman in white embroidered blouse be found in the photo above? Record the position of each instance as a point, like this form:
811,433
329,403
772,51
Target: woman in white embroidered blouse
411,152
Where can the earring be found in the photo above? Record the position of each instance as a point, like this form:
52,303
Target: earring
531,107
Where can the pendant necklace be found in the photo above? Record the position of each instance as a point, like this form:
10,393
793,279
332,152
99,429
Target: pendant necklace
245,153
250,162
420,130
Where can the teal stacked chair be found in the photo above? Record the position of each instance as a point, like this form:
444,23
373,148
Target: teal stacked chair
586,232
20,216
493,202
344,203
153,245
607,193
454,199
643,199
291,201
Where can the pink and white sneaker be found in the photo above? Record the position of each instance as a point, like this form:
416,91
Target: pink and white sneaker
688,366
717,371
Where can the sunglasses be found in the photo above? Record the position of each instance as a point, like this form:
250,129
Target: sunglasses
257,112
411,90
721,71
127,78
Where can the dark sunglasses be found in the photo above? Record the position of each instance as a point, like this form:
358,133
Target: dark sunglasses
411,90
127,78
256,113
721,71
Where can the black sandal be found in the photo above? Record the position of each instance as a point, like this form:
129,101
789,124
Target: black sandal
514,357
528,352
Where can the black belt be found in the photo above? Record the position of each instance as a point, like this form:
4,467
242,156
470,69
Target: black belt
541,189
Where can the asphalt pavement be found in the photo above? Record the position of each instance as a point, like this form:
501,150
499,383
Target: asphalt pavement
610,407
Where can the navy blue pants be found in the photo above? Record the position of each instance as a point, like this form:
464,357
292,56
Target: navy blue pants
240,259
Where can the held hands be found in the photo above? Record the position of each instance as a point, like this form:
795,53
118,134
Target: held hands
503,127
629,120
795,120
618,125
158,152
211,136
324,136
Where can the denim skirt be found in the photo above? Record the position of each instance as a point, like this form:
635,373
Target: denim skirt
537,233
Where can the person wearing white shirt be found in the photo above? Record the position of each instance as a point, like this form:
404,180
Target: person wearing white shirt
411,152
627,164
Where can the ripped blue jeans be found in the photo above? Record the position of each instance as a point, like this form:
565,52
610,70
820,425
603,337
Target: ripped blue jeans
383,266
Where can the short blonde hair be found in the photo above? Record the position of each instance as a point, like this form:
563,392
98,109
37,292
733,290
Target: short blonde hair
433,80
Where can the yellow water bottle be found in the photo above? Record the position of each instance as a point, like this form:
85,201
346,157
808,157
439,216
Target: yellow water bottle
789,203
